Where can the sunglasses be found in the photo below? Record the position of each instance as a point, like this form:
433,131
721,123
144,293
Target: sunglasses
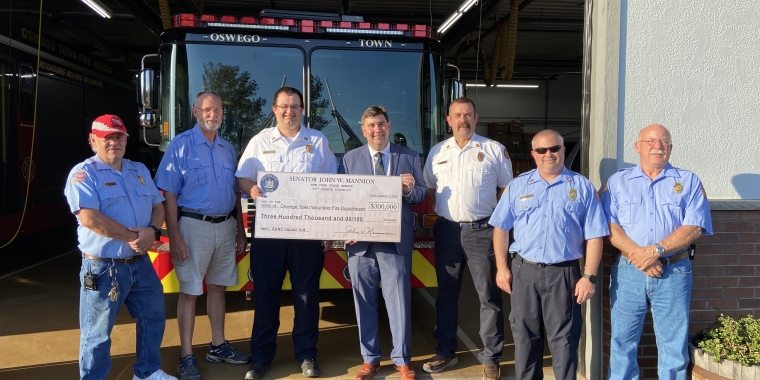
553,149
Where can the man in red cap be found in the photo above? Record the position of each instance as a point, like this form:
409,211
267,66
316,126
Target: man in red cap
118,208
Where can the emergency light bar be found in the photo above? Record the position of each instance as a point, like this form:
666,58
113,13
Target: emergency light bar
189,20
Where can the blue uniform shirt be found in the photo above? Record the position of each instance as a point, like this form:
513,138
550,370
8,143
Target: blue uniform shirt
200,173
551,221
127,197
650,210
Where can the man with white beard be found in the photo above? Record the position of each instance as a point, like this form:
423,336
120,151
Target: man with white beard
205,226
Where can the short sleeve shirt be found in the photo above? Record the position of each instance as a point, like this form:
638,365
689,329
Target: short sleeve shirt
466,179
200,173
308,152
650,210
550,220
126,197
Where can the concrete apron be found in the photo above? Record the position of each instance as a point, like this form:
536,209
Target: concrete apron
39,332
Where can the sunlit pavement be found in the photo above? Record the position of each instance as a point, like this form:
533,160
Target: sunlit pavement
39,332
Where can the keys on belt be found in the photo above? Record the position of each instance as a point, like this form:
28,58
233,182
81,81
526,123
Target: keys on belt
208,218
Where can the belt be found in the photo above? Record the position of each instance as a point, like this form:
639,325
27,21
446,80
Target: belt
683,255
128,260
520,259
207,218
476,225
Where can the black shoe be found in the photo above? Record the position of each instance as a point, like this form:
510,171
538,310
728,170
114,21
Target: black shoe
310,368
256,371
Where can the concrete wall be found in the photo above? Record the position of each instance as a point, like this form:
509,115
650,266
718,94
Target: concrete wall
695,68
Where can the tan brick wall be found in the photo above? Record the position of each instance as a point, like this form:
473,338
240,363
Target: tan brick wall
726,273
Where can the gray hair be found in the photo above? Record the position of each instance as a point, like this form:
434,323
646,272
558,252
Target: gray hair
547,132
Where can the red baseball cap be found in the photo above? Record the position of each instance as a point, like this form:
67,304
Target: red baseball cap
108,124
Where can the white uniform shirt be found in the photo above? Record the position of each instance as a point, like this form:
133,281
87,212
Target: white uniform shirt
465,180
309,152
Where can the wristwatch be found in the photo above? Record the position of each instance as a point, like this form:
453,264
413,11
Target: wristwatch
659,249
157,231
590,277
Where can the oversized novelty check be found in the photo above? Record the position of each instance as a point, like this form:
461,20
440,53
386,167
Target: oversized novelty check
329,207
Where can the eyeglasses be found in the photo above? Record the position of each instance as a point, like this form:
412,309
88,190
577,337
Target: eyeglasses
651,142
210,110
553,149
282,107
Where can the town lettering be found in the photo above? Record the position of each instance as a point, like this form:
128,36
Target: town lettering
376,43
226,37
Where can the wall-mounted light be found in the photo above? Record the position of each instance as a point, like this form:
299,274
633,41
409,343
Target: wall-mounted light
504,85
456,15
98,7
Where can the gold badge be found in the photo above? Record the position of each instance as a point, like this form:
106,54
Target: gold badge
678,187
140,178
481,156
573,194
309,147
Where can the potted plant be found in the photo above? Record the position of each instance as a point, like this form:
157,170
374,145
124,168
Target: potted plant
728,350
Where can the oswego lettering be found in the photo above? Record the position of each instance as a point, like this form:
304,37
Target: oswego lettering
229,37
376,43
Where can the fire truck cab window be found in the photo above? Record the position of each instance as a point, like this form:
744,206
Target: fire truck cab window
245,77
359,79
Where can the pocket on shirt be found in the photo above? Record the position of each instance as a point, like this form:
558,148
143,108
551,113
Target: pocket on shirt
272,162
145,196
442,173
197,172
629,209
673,207
479,175
310,161
229,173
113,201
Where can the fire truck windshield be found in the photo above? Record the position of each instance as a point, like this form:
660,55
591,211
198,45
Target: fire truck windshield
408,83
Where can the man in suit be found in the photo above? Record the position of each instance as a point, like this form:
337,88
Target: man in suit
369,262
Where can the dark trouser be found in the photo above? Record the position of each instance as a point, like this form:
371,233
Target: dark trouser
269,260
455,247
542,299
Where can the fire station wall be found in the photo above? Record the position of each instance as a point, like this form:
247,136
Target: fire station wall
693,68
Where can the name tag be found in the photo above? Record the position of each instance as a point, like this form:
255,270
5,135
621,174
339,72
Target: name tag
442,162
109,184
526,197
269,152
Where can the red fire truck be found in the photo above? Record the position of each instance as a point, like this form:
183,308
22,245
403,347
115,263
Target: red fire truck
342,64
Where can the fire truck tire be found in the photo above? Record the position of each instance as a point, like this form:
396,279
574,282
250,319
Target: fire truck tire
346,275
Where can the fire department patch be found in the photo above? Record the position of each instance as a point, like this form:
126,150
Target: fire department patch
597,197
704,194
606,186
78,177
506,154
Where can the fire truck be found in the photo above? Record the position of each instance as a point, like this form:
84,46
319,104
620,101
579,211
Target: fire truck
342,65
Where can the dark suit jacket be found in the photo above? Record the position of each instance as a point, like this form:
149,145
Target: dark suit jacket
402,160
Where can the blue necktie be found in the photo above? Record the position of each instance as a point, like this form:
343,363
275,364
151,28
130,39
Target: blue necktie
379,164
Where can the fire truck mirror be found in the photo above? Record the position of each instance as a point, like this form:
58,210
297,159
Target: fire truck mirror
455,91
148,94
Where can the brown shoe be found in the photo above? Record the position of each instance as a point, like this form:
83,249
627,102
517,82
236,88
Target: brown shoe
491,371
367,372
407,372
438,363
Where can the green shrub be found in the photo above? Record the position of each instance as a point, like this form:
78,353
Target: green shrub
729,338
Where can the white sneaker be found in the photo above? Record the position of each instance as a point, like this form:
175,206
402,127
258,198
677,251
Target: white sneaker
158,375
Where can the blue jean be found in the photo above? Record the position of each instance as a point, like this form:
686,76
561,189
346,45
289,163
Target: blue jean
141,291
669,297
